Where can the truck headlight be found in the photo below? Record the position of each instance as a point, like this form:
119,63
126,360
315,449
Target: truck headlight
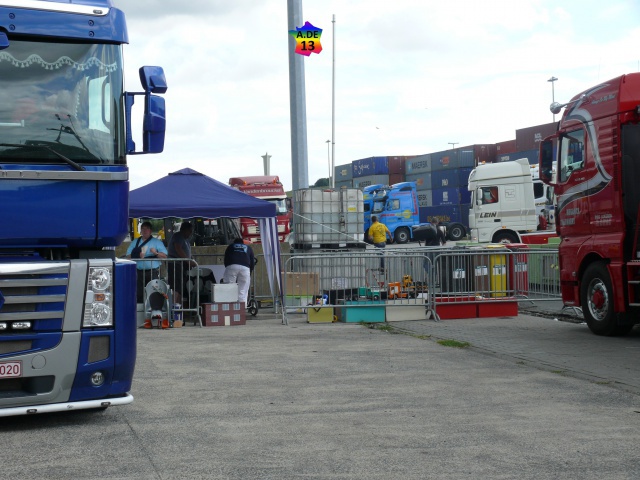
98,307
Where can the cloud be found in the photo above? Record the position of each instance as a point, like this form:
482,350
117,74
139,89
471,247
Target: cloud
425,73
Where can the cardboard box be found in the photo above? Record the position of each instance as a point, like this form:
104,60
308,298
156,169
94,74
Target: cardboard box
224,314
301,283
177,323
320,314
225,292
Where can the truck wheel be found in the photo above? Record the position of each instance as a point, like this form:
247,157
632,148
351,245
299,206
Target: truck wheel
456,232
505,237
596,298
401,235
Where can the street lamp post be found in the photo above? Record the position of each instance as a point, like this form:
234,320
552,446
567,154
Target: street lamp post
553,94
328,142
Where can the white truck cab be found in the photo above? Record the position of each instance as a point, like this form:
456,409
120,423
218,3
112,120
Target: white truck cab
502,202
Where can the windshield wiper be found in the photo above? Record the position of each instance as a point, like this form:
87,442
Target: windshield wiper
46,147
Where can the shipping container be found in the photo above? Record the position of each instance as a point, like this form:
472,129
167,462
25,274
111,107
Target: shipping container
450,178
508,146
474,155
463,176
530,155
444,213
418,164
447,196
529,138
398,164
423,180
344,184
343,172
425,198
370,166
447,159
396,178
362,182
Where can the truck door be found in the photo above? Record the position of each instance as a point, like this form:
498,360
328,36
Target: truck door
573,216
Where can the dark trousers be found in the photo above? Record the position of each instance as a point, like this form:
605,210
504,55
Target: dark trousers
144,277
381,245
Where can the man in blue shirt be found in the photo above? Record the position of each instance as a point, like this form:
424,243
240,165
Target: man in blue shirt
239,261
144,247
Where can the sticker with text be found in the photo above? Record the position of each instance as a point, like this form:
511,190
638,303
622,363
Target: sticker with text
307,39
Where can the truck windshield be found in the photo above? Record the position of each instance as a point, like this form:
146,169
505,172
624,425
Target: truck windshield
281,205
66,97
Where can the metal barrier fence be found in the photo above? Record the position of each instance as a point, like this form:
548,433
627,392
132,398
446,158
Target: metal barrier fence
429,276
365,278
495,272
421,276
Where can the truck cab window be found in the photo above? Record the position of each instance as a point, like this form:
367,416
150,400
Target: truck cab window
572,154
394,204
489,195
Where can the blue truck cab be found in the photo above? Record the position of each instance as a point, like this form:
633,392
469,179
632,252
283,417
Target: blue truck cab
396,206
67,305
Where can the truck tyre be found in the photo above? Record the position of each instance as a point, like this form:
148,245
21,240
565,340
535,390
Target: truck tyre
505,237
596,298
456,232
401,235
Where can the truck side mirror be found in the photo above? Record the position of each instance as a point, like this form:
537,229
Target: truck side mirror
546,160
479,195
154,121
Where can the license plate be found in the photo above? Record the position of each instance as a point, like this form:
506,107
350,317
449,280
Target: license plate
10,369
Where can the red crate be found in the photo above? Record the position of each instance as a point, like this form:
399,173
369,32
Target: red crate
224,314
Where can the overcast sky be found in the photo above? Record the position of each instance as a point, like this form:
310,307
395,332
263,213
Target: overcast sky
411,75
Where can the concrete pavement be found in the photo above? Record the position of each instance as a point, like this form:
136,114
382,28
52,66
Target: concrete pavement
532,398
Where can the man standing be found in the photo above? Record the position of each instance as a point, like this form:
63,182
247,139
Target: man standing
378,233
146,246
180,247
239,261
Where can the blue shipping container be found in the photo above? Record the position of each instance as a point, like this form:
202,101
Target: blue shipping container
445,179
370,166
463,175
446,196
444,213
419,164
530,155
423,180
466,158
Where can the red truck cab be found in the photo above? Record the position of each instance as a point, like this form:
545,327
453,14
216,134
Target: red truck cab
269,188
597,202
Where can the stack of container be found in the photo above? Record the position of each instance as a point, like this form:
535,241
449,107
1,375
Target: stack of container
526,145
343,176
370,171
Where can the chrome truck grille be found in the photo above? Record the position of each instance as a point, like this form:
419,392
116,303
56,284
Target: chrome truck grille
32,298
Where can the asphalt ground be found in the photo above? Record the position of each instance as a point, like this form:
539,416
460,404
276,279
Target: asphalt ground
530,398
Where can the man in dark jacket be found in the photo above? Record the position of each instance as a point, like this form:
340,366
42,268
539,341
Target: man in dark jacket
239,261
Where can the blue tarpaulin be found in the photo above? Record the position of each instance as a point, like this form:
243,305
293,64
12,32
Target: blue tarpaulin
187,194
